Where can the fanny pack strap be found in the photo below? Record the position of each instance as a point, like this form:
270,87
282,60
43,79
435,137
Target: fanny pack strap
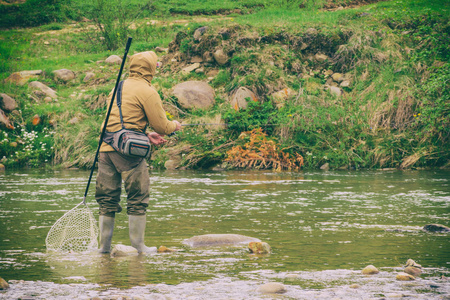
119,104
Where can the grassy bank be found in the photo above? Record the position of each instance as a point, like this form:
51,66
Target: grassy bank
394,113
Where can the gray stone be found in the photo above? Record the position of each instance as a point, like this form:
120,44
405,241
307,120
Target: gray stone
20,78
194,94
338,77
161,49
412,263
311,31
43,88
89,76
173,164
64,75
196,59
413,271
325,167
436,228
220,57
199,32
402,276
320,57
210,240
122,250
190,68
272,288
240,98
4,120
345,83
334,90
114,59
7,103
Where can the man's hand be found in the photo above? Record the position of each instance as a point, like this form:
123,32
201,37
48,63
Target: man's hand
178,125
156,139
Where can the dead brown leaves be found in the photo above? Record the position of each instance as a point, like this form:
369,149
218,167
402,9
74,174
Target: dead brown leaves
261,153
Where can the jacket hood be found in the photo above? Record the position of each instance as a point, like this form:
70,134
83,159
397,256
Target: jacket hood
143,65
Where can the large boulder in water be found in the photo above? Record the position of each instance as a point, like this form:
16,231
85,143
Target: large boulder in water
212,240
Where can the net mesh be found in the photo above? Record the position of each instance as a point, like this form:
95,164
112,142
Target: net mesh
76,231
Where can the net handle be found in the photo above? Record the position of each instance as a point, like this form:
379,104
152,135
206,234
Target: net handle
127,47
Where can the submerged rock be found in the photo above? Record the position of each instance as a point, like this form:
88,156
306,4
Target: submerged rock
122,250
272,288
259,247
436,228
402,276
370,270
211,240
413,271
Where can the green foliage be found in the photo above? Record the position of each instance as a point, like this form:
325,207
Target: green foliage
257,114
112,19
33,13
26,147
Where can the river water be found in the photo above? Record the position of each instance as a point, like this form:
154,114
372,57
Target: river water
323,227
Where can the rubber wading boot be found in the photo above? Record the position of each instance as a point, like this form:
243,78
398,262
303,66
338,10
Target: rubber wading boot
106,233
137,232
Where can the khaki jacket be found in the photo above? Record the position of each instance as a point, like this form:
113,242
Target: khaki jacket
141,104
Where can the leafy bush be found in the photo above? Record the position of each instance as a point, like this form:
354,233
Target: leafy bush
31,13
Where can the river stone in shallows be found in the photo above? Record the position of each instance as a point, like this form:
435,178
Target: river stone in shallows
272,288
3,284
413,271
259,247
370,270
436,228
402,276
123,250
211,240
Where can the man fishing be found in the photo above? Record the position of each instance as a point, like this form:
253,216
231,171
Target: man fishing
141,106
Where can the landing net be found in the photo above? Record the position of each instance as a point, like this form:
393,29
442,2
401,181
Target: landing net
76,231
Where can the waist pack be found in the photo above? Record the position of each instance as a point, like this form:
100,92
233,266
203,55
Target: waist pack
126,141
129,142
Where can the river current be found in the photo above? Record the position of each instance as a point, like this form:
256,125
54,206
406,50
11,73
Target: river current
323,227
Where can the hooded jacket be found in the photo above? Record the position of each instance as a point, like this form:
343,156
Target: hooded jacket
141,104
